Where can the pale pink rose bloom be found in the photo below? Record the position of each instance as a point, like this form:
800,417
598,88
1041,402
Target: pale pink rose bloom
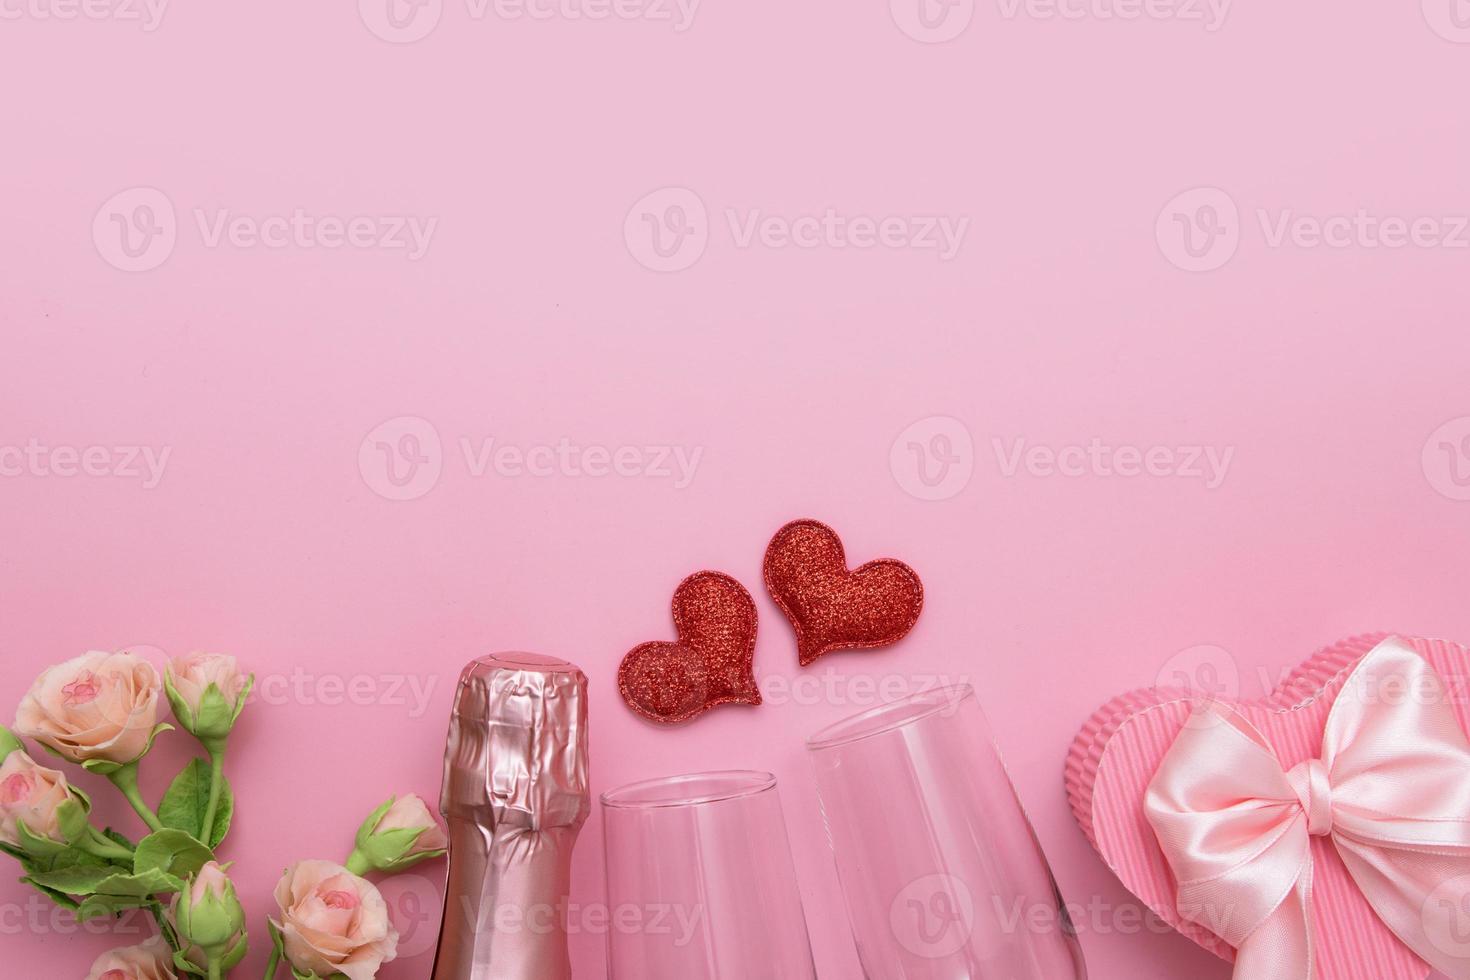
411,812
332,921
192,674
98,706
150,961
30,792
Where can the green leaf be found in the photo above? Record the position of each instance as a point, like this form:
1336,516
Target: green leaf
33,844
72,857
139,885
77,880
184,804
96,906
243,696
72,820
182,961
60,898
174,852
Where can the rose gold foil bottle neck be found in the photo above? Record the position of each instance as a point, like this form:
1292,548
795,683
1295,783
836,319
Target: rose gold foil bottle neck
516,793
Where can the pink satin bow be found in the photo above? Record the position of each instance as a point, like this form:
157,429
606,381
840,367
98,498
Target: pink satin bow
1392,791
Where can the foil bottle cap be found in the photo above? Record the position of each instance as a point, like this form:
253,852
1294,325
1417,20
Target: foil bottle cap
516,792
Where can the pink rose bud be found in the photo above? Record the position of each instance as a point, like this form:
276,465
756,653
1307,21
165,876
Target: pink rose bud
99,707
397,835
150,961
209,918
33,795
333,921
207,692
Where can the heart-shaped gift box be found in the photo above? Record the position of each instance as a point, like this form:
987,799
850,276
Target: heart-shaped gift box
1119,750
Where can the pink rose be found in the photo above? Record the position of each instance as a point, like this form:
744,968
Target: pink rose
188,681
411,813
150,961
31,793
98,706
333,921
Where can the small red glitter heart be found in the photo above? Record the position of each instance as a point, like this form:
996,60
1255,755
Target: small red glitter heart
710,664
831,607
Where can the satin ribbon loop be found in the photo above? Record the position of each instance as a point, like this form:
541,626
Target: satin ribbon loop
1391,791
1314,791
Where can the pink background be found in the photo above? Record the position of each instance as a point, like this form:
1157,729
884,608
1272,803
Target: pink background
532,318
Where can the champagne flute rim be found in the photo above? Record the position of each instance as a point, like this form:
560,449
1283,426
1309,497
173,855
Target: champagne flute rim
730,784
890,716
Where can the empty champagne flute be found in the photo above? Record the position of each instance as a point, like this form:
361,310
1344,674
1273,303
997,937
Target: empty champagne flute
700,881
943,877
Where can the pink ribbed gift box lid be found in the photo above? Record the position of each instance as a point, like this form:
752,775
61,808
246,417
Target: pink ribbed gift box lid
1116,754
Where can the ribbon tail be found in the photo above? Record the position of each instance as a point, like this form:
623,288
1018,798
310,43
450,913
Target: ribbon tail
1281,947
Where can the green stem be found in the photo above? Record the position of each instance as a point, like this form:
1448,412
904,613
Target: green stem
358,863
126,781
94,843
214,973
274,962
216,785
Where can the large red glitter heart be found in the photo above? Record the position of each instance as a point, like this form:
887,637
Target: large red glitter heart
833,608
710,664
